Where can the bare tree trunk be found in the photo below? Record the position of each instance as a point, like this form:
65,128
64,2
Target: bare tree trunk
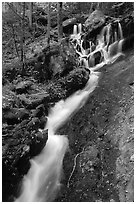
49,24
30,15
14,38
60,28
23,39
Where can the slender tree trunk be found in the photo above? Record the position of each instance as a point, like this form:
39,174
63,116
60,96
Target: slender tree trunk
14,38
30,15
98,5
60,28
23,39
49,24
4,7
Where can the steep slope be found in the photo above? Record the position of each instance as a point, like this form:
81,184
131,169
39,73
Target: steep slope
99,165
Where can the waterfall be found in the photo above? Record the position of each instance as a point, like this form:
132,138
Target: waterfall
109,43
42,182
120,31
116,38
80,28
108,34
75,30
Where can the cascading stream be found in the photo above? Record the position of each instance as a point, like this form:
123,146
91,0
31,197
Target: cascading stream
108,47
42,181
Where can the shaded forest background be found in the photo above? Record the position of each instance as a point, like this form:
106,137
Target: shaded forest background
23,23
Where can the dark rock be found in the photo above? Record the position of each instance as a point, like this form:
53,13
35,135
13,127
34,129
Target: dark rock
15,115
32,103
10,118
68,25
97,57
131,83
23,114
33,124
23,87
20,126
11,70
76,80
43,121
38,142
9,99
40,111
42,20
84,17
23,163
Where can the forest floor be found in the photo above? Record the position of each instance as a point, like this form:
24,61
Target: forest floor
99,165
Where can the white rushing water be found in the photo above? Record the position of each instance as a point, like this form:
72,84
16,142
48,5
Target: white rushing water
43,179
42,182
108,45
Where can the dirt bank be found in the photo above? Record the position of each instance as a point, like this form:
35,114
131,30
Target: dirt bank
99,163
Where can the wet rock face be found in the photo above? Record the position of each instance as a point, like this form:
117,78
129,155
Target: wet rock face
77,79
127,24
68,25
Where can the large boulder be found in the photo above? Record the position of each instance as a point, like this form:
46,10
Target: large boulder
95,22
23,86
59,59
65,86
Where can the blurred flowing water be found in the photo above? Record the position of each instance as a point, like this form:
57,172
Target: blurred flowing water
42,182
105,50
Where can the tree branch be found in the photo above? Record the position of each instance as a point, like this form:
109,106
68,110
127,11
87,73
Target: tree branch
12,8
